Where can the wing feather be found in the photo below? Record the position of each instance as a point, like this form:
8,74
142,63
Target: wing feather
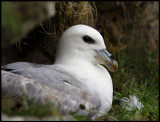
46,85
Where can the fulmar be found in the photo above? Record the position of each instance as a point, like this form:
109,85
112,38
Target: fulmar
76,82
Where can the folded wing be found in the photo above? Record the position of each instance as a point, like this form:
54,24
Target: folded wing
49,86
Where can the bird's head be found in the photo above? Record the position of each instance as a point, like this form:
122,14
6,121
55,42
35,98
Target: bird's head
84,42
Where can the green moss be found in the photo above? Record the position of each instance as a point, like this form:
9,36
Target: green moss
10,22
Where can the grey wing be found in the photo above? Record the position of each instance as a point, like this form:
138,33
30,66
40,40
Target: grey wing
20,65
50,86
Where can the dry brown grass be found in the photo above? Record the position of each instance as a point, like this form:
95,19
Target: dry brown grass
68,14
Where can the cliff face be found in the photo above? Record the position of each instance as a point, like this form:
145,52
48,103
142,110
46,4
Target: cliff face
122,20
18,18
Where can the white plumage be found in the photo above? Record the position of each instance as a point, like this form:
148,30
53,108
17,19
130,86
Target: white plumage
74,79
132,103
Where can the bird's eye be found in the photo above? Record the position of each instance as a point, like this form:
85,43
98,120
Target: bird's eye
87,39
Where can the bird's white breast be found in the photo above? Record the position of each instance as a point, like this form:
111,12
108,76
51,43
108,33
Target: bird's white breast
96,78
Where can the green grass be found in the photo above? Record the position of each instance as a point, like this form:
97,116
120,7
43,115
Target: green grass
138,75
22,107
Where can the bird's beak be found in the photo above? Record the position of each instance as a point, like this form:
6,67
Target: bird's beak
103,56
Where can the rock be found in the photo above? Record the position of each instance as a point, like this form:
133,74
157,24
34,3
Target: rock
123,21
18,18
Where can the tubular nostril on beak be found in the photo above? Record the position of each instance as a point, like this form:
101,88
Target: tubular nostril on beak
103,56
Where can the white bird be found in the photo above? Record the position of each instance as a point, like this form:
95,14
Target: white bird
76,79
